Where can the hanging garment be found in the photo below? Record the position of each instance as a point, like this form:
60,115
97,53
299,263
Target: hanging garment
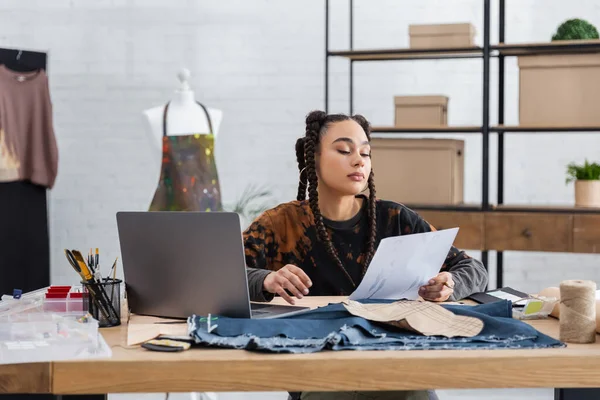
188,179
28,167
28,150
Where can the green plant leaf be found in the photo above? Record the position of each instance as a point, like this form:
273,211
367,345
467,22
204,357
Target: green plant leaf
575,29
253,201
587,171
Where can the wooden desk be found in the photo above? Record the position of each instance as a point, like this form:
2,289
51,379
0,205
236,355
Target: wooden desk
138,370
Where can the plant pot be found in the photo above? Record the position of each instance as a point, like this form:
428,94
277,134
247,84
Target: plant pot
587,193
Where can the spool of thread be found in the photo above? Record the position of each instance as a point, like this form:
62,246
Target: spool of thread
578,311
555,292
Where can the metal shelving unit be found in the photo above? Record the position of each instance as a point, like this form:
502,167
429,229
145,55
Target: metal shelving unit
488,51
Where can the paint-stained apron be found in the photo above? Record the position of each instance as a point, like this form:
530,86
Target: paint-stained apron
188,178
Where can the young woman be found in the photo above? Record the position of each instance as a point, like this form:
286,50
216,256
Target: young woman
322,246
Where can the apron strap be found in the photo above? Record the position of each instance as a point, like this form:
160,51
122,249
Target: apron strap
210,127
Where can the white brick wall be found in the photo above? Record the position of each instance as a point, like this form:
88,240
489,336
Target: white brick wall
261,62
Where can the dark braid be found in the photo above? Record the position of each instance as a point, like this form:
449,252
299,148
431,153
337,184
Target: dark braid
315,122
316,125
372,203
302,180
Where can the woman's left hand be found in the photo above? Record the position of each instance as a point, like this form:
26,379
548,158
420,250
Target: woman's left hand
439,288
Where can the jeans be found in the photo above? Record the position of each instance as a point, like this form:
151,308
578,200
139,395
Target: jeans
333,328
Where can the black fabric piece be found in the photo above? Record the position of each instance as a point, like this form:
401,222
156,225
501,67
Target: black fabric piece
23,60
24,243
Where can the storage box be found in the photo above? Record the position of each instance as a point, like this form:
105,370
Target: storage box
65,302
48,336
420,111
418,171
437,36
559,90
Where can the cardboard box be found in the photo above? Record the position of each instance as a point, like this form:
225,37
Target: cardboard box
437,36
418,171
420,111
559,90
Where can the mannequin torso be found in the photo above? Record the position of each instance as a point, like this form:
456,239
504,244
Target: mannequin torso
184,116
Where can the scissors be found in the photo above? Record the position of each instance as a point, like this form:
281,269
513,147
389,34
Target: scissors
78,263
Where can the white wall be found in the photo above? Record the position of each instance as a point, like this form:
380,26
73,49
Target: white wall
261,62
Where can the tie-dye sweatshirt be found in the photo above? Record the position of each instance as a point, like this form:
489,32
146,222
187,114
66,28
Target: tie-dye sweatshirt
287,234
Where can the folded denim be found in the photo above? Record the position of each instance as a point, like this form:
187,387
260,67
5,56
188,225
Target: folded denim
333,328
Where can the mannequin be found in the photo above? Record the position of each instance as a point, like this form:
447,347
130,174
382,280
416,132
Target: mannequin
185,115
183,135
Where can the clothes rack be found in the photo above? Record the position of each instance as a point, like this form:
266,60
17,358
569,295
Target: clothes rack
24,238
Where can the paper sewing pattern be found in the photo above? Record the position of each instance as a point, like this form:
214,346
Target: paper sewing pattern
403,263
423,317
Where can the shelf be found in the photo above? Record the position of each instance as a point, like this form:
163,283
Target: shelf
505,49
555,209
478,129
559,47
409,54
426,129
528,208
543,128
445,207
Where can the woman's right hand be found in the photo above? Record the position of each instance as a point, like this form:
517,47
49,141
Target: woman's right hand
291,278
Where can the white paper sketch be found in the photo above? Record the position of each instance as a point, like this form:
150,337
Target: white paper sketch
403,263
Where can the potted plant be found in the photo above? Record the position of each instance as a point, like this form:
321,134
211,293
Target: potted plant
253,201
575,29
587,183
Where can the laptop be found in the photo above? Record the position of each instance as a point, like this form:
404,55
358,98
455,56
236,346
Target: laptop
177,264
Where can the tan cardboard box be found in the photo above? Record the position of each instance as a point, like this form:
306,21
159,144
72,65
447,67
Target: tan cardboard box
420,111
559,90
418,171
437,36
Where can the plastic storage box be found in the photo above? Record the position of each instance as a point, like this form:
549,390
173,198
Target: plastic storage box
48,336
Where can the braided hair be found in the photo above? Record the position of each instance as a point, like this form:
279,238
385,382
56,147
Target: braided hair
317,123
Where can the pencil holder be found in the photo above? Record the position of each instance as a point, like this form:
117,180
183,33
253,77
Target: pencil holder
104,301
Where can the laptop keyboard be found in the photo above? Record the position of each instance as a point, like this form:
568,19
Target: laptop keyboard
258,309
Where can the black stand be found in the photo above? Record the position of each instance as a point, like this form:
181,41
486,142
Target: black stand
24,247
577,394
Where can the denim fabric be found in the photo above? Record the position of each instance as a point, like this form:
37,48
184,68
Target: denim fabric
333,328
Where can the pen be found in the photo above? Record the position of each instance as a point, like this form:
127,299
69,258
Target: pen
103,297
78,263
114,268
114,271
97,258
